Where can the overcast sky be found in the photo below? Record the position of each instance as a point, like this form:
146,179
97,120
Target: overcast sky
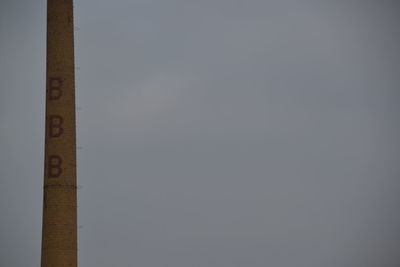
212,133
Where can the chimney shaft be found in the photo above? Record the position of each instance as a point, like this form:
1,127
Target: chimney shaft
59,232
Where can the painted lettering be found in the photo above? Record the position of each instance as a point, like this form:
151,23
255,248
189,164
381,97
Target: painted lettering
54,169
55,88
55,126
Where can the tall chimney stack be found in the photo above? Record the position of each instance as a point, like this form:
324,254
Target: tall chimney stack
59,232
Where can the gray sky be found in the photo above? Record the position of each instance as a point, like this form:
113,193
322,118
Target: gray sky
213,133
